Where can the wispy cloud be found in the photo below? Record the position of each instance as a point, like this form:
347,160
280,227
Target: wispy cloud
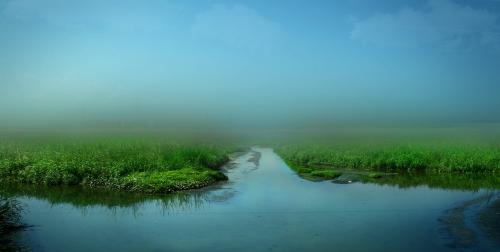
443,23
121,16
236,26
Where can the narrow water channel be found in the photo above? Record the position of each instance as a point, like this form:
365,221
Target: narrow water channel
264,206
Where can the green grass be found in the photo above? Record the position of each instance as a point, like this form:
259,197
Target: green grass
170,181
395,157
126,163
465,167
325,174
314,173
372,154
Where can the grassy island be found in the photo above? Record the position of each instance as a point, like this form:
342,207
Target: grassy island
131,164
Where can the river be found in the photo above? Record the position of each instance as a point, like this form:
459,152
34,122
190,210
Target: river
264,206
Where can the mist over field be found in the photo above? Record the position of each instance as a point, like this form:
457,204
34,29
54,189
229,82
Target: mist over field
249,125
248,64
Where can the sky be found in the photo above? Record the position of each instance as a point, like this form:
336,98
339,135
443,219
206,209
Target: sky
266,63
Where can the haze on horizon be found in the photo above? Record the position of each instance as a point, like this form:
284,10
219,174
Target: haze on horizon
262,63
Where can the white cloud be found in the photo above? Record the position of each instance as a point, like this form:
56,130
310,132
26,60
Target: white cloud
236,26
442,23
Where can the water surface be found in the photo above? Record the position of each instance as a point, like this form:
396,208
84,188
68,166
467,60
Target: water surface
265,206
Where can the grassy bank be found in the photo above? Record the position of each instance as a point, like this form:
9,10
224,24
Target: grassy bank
372,151
442,166
435,158
141,164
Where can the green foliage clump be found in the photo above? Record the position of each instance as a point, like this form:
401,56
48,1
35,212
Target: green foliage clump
314,173
325,174
170,181
109,163
375,175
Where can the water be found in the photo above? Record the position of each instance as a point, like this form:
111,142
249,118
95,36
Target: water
263,207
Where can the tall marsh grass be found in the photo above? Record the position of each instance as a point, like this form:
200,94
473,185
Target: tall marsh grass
396,157
137,164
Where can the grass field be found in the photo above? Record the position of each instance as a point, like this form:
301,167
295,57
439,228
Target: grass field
435,158
162,163
141,164
369,152
443,166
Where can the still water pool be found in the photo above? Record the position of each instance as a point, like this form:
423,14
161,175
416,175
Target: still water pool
265,206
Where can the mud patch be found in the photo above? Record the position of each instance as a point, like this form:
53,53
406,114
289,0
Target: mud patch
489,219
459,232
255,158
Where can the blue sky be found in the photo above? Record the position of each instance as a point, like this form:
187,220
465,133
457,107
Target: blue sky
256,60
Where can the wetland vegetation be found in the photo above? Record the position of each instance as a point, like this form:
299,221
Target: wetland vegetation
466,154
436,158
138,164
448,166
249,125
163,163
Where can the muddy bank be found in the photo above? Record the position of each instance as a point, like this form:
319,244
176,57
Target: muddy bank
484,213
489,219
